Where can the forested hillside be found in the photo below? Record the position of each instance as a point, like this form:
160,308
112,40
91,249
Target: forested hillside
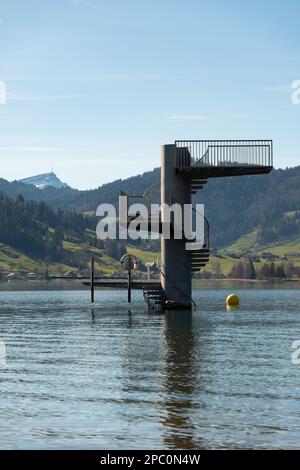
35,229
34,237
269,204
234,206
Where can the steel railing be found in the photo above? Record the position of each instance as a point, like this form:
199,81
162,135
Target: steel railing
206,231
223,153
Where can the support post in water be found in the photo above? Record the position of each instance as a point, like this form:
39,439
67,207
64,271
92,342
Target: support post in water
129,263
92,280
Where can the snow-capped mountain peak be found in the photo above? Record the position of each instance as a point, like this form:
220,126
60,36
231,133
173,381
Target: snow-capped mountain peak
44,180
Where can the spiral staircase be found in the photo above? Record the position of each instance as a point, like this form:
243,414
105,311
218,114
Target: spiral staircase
193,163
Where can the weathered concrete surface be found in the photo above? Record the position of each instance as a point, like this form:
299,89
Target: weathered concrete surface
176,263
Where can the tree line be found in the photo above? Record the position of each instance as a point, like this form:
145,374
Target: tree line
245,269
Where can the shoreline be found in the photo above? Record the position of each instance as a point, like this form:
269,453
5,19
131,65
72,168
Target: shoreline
80,281
260,281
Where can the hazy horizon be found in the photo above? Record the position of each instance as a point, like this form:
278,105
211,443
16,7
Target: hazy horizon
107,182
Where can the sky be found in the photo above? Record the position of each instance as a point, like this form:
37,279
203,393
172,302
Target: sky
93,88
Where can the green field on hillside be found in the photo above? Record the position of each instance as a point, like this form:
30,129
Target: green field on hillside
12,260
144,256
246,242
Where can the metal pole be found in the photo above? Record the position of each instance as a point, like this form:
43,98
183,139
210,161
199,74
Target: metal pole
92,280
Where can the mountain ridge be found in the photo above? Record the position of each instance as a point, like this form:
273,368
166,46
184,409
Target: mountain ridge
44,180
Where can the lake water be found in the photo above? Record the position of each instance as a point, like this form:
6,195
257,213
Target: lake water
77,377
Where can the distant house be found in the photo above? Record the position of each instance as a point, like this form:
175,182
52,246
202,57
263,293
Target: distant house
31,276
269,256
70,274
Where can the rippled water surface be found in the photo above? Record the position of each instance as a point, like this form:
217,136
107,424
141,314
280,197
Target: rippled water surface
81,378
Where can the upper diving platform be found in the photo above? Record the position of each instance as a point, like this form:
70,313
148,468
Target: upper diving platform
218,158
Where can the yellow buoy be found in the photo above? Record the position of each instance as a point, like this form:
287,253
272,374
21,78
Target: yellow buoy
232,299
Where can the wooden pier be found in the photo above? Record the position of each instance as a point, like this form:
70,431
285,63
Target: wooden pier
123,283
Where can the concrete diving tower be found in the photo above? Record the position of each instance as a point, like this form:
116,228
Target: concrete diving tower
186,167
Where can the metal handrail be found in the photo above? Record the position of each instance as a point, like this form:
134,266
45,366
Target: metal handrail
145,197
177,288
223,153
206,231
207,227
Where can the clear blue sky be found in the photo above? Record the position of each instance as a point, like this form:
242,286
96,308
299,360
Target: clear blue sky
94,87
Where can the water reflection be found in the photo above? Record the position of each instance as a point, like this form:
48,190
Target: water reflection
93,316
81,376
179,380
129,319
